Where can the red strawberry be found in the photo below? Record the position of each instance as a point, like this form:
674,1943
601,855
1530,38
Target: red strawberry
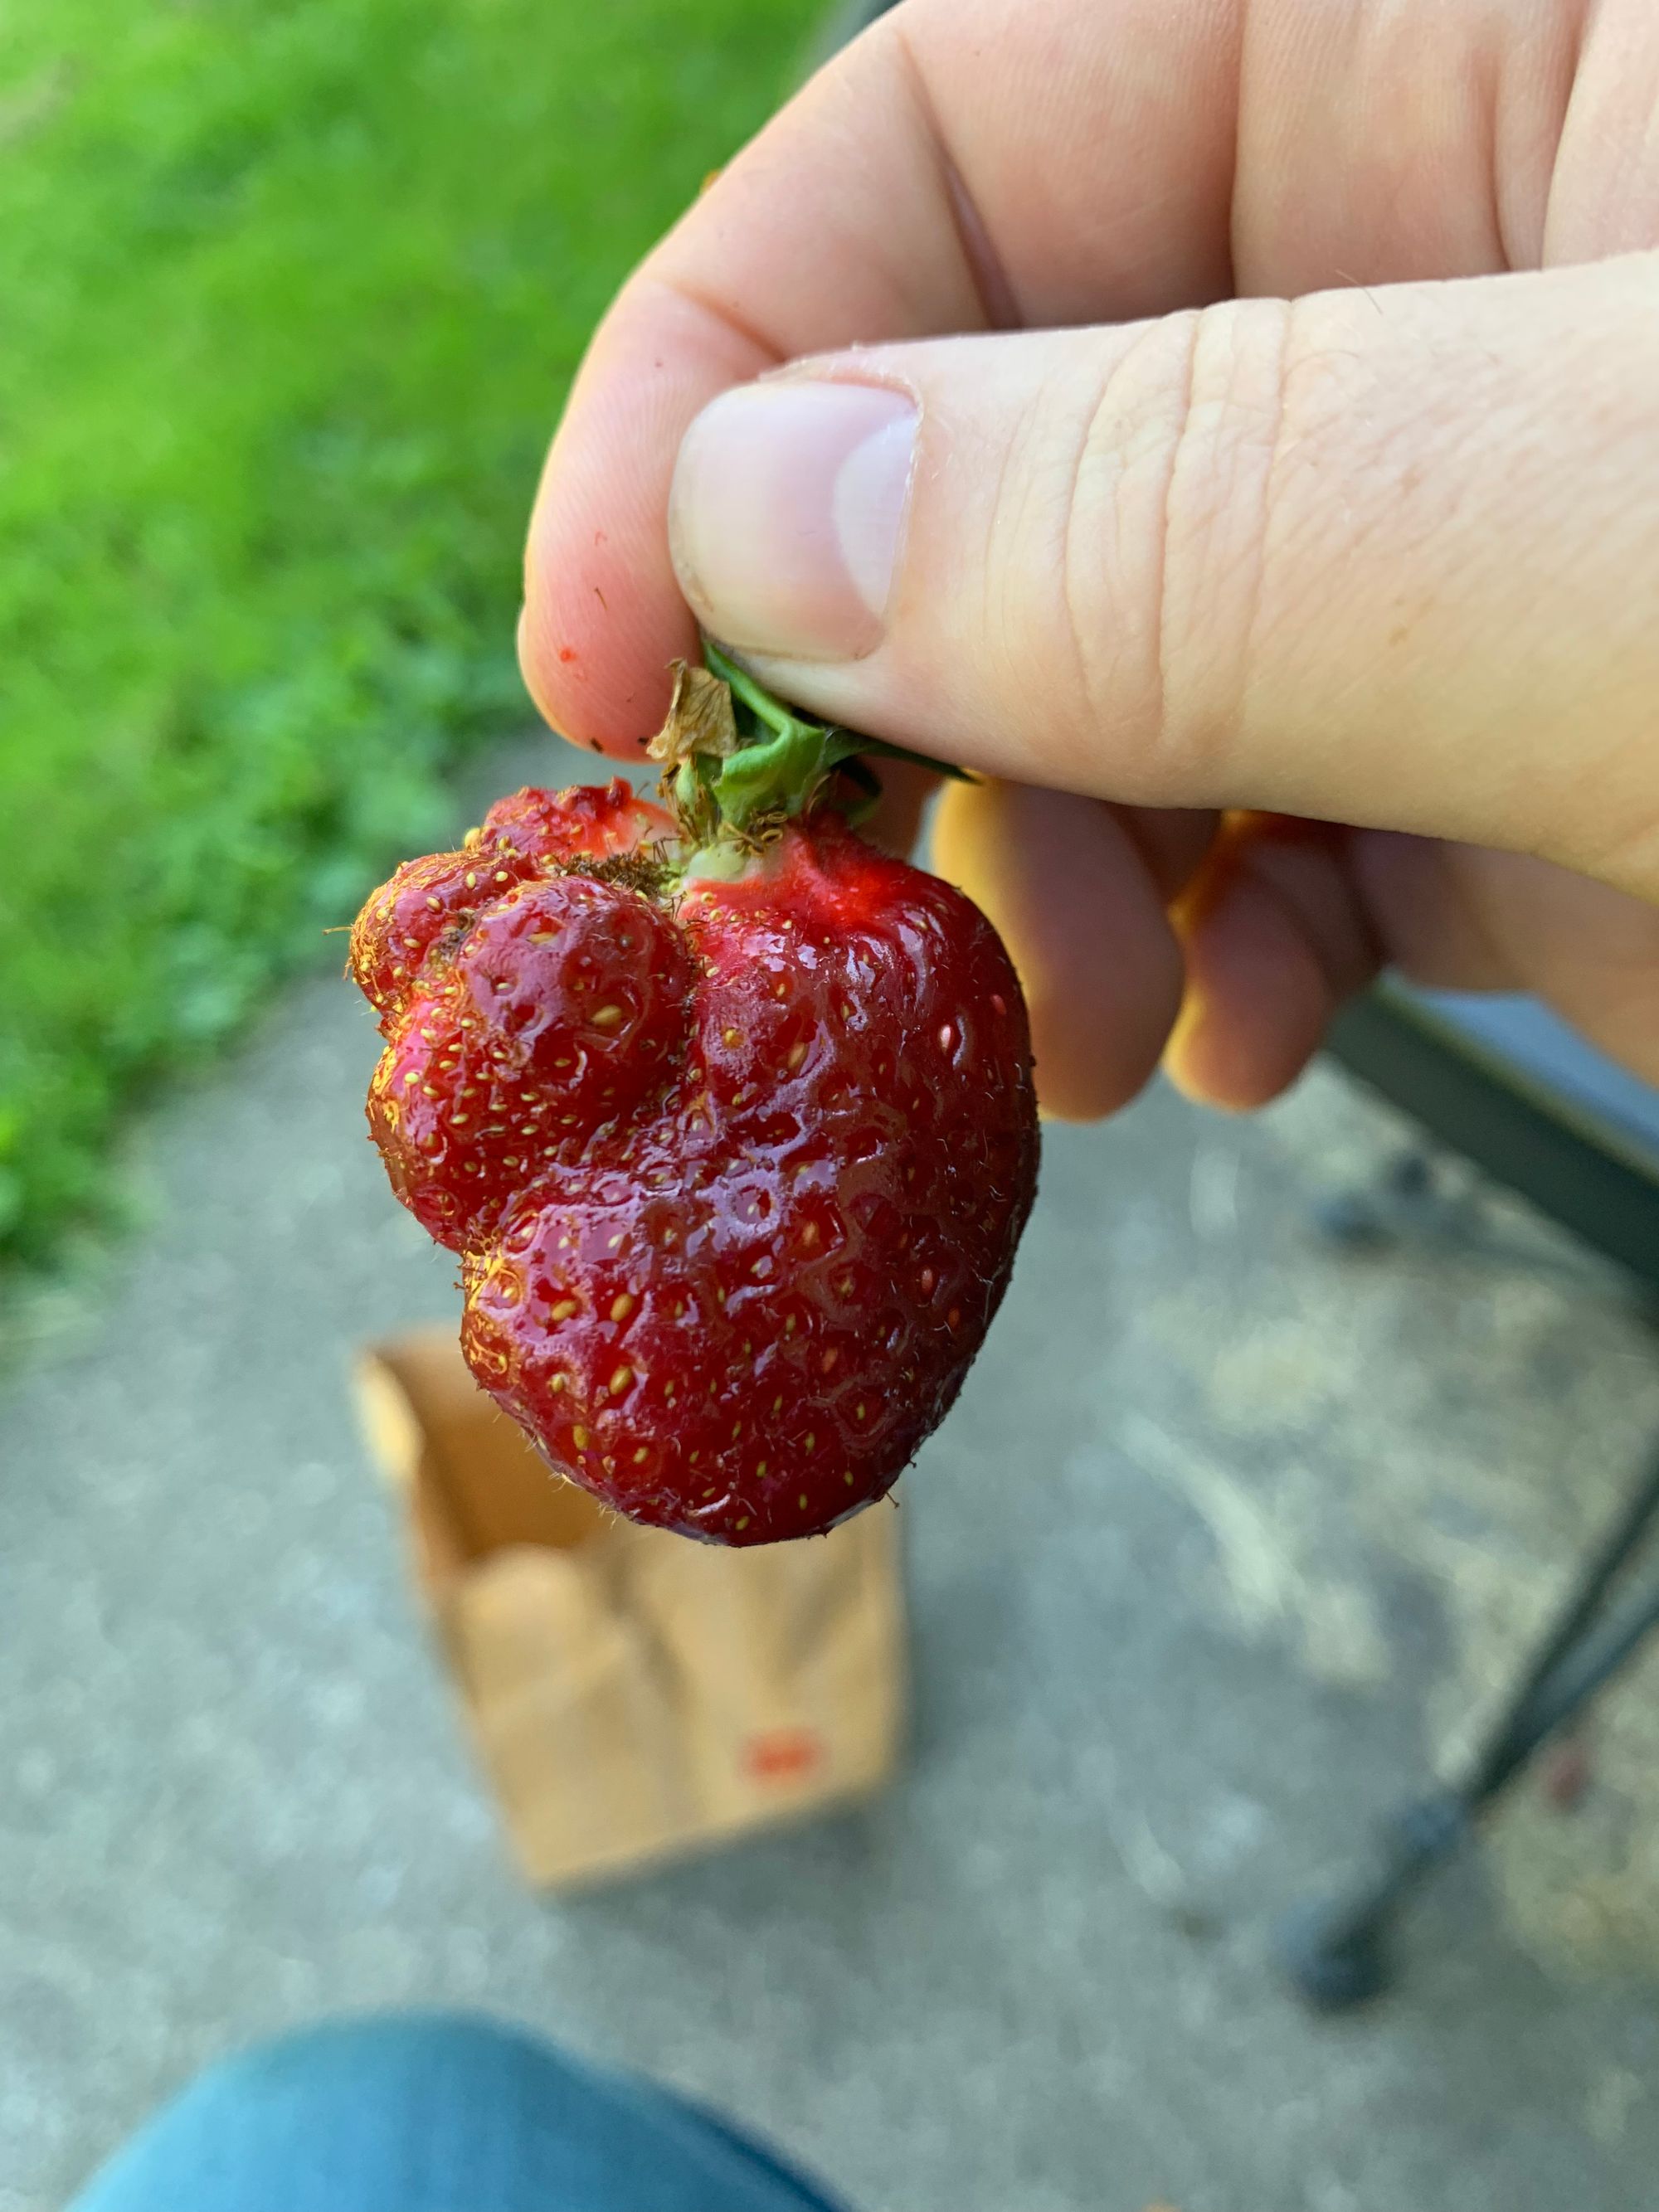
734,1131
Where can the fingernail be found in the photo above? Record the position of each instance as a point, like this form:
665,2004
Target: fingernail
787,512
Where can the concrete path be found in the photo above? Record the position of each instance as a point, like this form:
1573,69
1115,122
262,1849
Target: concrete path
1227,1536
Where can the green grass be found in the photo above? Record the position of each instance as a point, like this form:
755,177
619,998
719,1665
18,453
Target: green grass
293,289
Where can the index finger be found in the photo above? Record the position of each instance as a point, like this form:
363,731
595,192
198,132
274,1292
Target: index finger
963,165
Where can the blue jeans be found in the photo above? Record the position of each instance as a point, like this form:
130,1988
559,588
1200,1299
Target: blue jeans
435,2113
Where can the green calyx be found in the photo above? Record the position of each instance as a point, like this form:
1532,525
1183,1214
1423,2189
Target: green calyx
739,763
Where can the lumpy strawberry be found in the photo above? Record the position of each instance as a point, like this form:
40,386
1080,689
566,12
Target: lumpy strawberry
736,1164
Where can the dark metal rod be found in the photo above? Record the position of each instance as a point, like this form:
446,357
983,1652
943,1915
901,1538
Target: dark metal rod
1577,1680
1497,1761
1337,1951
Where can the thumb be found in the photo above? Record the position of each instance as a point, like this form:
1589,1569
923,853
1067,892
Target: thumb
1388,558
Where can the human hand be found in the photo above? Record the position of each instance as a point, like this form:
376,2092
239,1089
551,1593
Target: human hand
1119,503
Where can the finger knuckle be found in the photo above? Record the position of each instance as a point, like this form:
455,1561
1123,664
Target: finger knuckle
1221,526
1167,536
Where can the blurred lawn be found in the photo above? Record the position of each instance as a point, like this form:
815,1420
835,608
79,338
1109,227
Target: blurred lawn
293,289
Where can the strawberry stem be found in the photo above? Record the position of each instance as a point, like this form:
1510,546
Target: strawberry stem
743,763
741,685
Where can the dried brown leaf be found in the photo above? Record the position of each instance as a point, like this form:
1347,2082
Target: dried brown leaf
700,719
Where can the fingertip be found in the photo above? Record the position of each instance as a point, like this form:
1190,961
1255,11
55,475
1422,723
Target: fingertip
1074,902
594,650
1255,1005
604,615
1275,943
530,653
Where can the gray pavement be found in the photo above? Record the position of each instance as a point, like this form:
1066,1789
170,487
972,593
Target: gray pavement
1227,1536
